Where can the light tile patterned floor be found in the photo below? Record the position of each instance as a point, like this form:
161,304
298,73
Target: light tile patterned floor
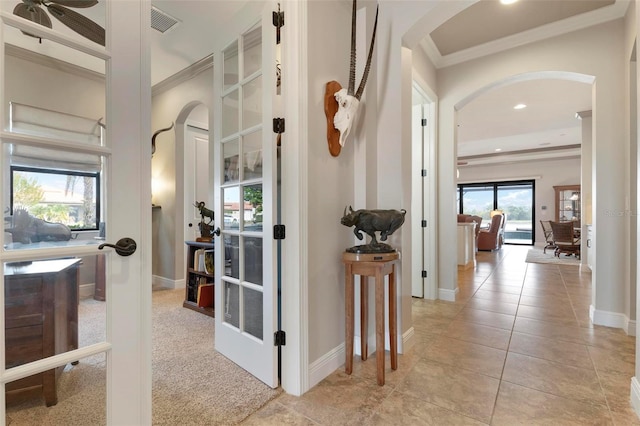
517,348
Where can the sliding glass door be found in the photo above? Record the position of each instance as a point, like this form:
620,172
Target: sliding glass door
514,199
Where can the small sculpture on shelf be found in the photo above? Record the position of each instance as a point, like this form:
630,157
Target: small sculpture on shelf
371,221
206,228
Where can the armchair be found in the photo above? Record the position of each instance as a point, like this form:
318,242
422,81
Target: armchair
462,218
491,239
565,239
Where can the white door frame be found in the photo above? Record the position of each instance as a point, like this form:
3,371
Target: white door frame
424,190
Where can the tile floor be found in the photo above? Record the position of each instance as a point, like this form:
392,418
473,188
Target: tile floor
517,348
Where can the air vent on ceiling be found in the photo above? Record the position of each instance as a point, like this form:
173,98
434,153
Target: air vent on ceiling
161,21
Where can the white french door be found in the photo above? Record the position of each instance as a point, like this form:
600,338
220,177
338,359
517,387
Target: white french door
196,184
244,191
61,124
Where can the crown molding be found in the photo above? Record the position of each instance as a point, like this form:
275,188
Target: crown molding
554,29
184,75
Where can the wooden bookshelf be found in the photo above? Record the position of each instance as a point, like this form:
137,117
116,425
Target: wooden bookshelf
196,277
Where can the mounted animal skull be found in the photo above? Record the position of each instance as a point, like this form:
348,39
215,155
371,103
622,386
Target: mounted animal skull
347,101
155,135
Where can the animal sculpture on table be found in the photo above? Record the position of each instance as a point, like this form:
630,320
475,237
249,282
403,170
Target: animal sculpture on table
206,228
30,229
371,221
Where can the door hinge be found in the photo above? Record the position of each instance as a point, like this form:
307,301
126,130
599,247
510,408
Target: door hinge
278,22
278,232
424,223
279,338
424,274
424,172
424,122
278,125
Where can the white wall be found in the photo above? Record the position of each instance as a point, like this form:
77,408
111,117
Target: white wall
173,105
550,172
331,180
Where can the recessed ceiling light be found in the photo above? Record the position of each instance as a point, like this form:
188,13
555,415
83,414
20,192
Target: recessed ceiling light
498,149
508,1
520,106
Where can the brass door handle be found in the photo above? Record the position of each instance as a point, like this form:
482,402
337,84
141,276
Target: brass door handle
124,247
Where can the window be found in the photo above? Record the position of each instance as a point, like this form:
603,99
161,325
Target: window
60,196
515,199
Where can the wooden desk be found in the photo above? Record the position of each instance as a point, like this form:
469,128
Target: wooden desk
41,320
371,265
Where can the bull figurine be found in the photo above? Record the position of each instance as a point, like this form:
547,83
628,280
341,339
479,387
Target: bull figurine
370,221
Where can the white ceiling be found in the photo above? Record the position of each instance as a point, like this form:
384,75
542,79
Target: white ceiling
488,122
548,126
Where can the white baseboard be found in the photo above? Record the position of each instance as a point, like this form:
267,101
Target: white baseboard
635,395
334,359
86,290
326,365
447,294
158,281
612,319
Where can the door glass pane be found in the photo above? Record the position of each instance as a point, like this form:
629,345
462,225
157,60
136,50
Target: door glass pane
230,151
54,198
252,51
231,197
253,260
75,392
252,301
252,103
232,256
230,66
253,208
230,123
516,201
231,304
252,144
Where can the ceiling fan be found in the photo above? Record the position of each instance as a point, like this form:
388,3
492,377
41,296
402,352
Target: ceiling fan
59,9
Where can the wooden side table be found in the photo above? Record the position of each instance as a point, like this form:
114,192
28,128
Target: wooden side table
371,265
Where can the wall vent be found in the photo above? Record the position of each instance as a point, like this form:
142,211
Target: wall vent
161,21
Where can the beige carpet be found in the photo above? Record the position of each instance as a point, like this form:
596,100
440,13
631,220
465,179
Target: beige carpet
535,255
192,384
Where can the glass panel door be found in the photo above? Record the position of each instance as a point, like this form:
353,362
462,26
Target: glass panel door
53,184
245,310
516,201
73,310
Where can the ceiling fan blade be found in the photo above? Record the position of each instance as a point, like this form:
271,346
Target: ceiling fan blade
33,13
75,3
78,23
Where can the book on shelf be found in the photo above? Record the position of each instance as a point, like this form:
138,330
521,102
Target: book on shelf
205,296
208,261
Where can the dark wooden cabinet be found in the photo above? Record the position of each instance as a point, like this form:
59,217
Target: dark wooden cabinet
197,278
41,320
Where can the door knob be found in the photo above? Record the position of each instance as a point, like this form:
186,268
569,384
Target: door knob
217,231
124,247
